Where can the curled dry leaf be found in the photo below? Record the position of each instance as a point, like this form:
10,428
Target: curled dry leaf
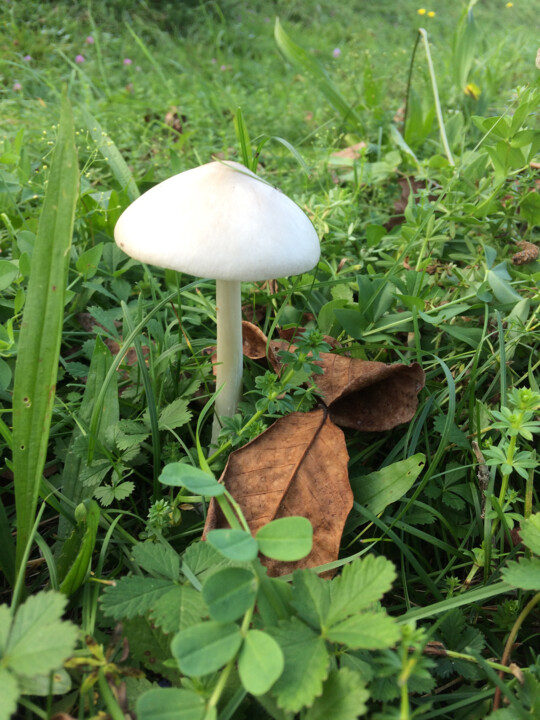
528,253
367,395
297,467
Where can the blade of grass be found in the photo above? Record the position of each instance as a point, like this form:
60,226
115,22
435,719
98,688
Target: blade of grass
41,329
467,598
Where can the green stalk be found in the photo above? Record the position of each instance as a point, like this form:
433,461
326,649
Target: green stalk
438,110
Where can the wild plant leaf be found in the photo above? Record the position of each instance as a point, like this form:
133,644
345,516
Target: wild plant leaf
91,475
306,665
157,558
39,640
297,56
5,622
9,694
260,662
181,474
530,533
170,704
74,562
362,582
344,697
234,544
132,596
204,648
229,593
107,494
381,488
455,435
149,646
201,559
41,328
130,434
178,608
499,281
287,539
311,598
87,263
366,630
175,415
112,155
524,574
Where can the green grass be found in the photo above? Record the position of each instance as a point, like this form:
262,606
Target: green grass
158,93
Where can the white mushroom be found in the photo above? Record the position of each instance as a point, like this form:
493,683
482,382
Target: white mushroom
220,221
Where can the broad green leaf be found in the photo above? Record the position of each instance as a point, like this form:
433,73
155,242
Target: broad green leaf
381,488
178,608
41,684
530,208
41,328
76,573
88,261
366,630
274,601
9,694
8,273
158,558
524,574
260,662
306,665
229,593
133,596
39,640
197,481
174,415
234,544
344,697
311,598
150,646
206,647
287,539
201,559
170,704
296,55
530,533
112,156
499,281
361,583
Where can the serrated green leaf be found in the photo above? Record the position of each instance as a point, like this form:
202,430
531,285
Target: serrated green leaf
524,574
366,630
306,665
287,539
179,474
132,596
229,593
105,495
201,559
170,704
158,558
8,695
175,415
39,640
361,583
530,533
260,662
179,608
344,697
204,648
234,544
129,434
311,597
149,646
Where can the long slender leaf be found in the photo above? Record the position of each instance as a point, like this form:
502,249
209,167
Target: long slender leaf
112,156
41,328
296,55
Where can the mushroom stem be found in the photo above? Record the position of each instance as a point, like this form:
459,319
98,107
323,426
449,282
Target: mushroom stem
229,350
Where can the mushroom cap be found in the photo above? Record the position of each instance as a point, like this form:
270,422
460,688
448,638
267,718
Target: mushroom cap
219,221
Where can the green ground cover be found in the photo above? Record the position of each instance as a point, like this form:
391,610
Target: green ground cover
428,224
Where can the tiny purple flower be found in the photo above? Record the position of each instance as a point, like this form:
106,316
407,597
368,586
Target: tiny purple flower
27,58
90,40
127,61
79,59
223,67
213,61
336,52
17,87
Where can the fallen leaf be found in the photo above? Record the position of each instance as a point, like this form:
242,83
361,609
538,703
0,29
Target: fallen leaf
528,253
408,184
296,467
367,395
353,152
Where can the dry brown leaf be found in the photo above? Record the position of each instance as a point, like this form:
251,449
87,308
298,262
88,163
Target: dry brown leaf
367,395
296,467
528,253
353,152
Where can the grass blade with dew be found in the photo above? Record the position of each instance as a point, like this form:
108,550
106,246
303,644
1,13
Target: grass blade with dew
41,329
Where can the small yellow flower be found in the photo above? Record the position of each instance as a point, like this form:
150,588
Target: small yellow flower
421,11
431,14
509,5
